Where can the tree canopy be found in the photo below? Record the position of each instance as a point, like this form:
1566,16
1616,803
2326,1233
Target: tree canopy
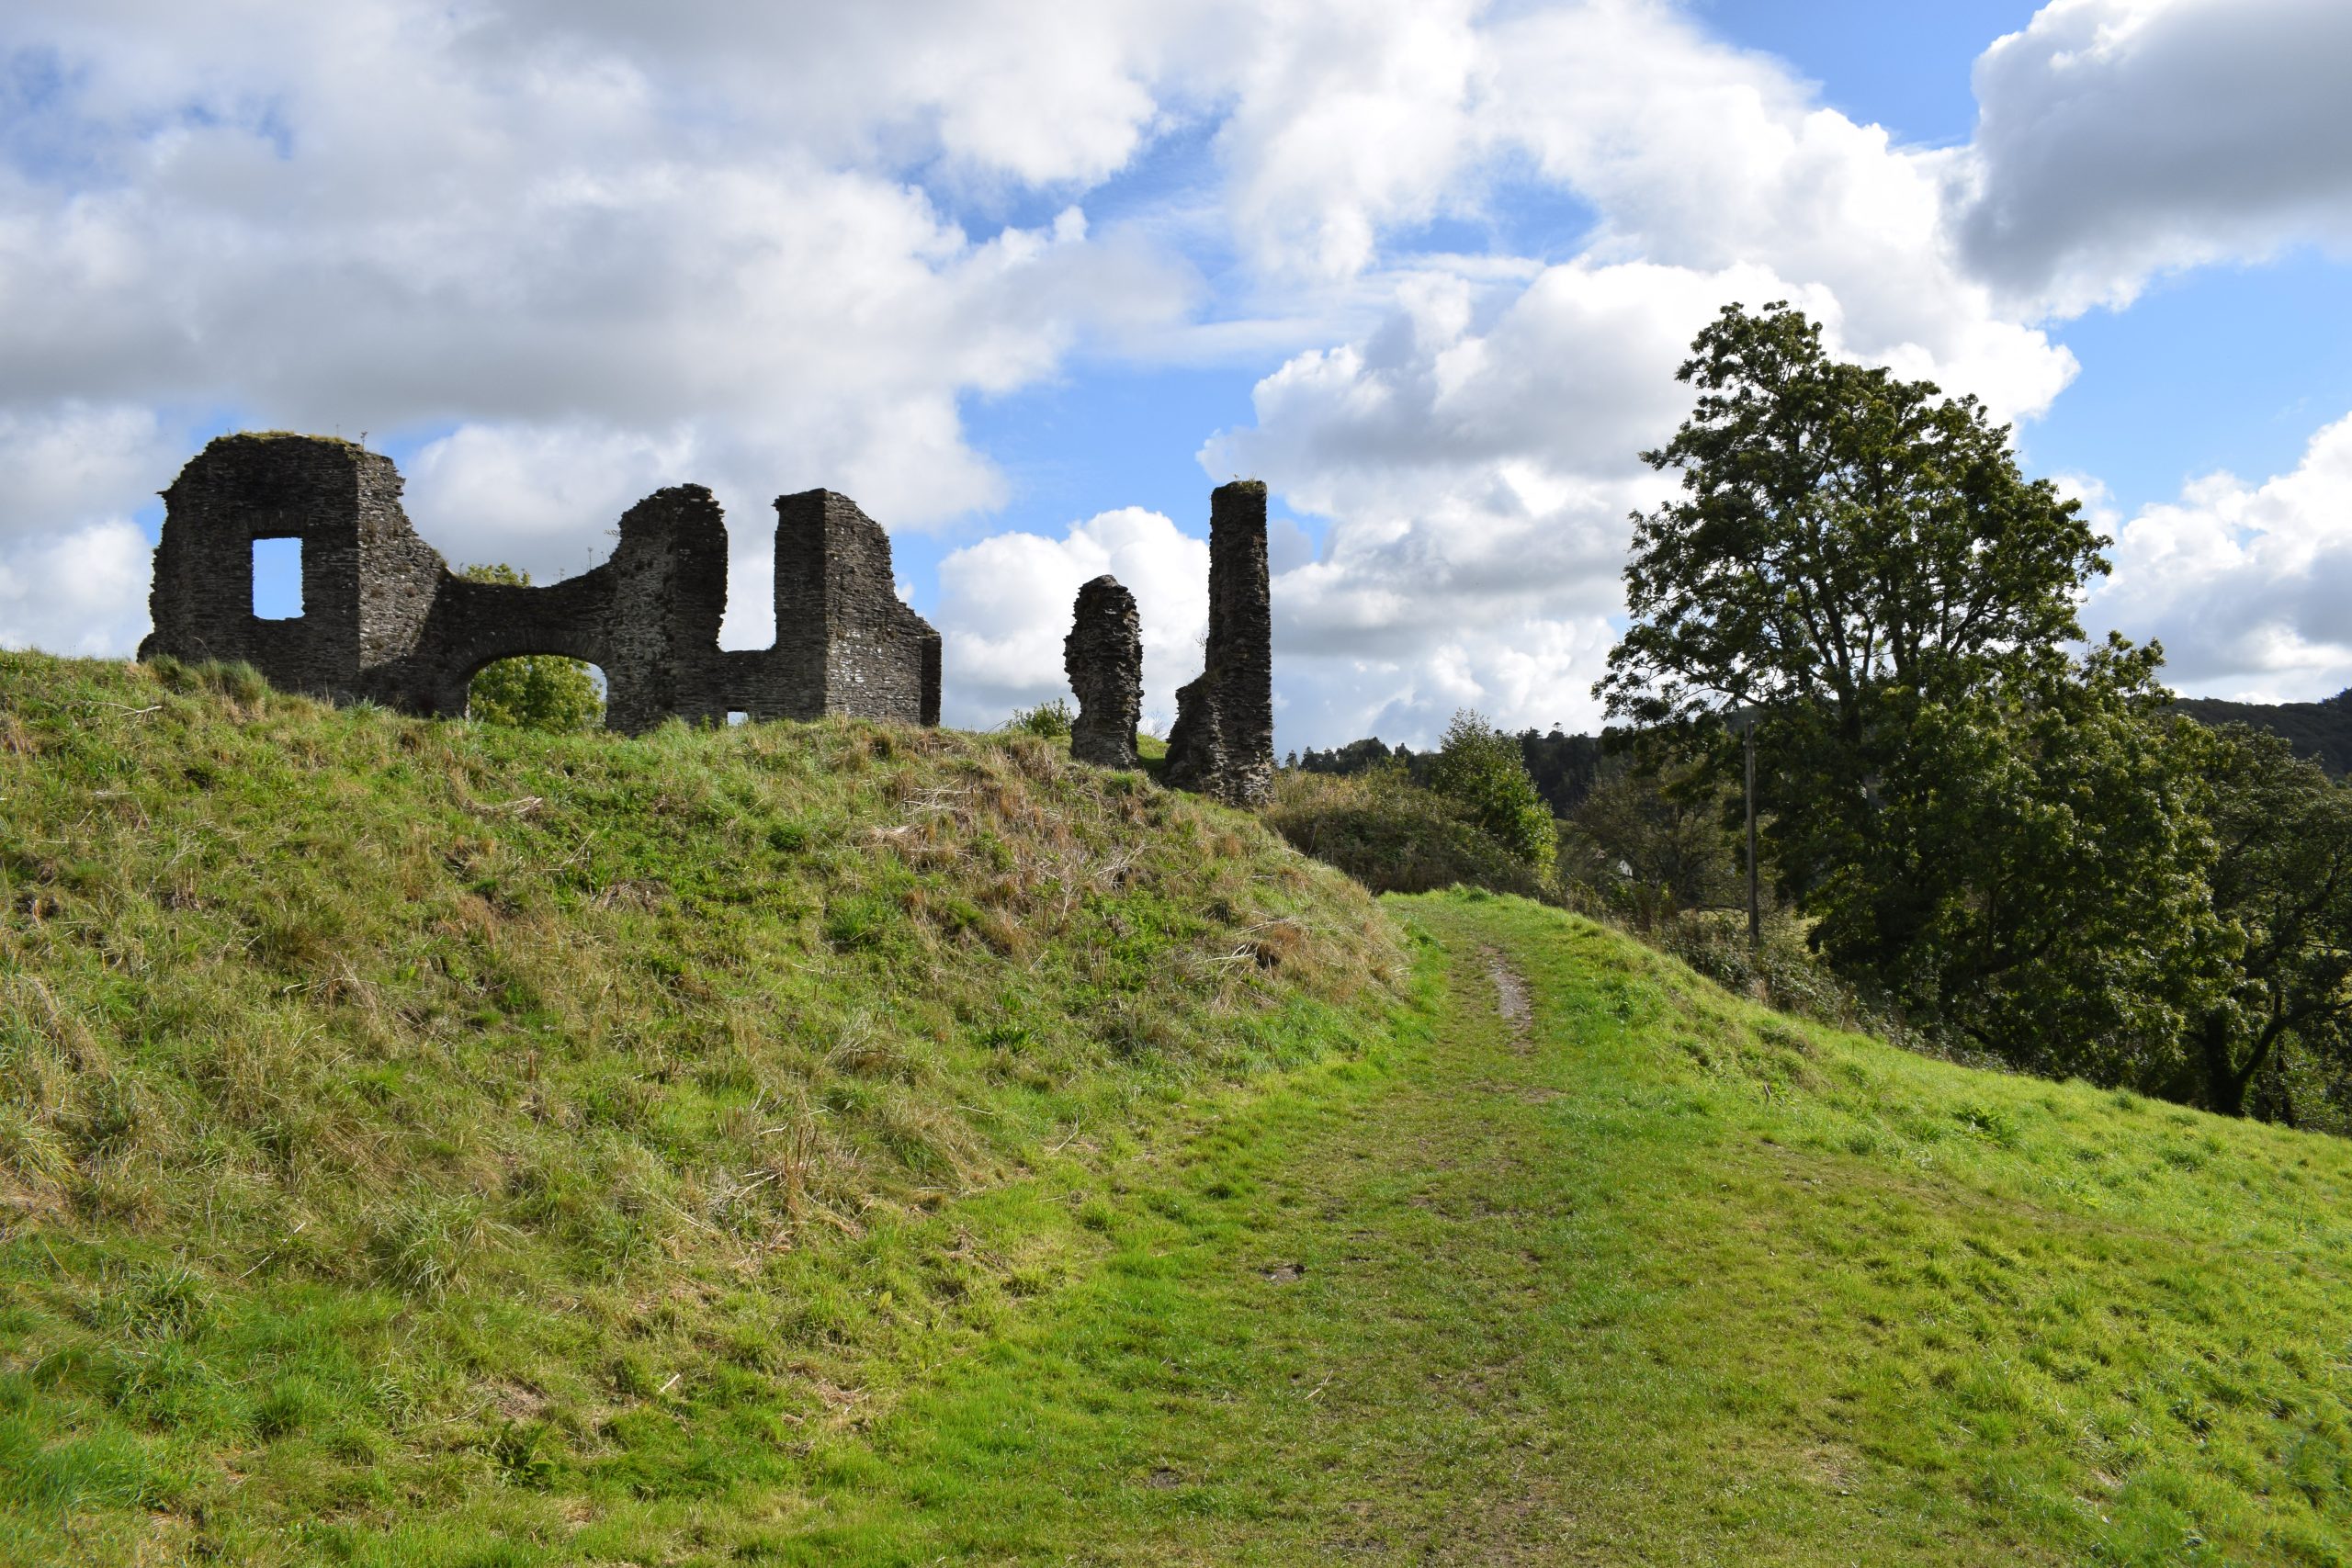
1482,770
1990,829
1841,536
2279,1027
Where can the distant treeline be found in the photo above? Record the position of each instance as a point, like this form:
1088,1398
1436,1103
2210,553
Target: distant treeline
2321,731
1563,766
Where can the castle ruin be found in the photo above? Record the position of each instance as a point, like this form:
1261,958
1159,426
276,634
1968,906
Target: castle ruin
384,619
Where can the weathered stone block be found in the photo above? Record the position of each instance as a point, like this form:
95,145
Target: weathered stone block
1104,659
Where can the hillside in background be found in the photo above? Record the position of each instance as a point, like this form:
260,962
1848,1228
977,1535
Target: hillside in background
1566,767
2321,730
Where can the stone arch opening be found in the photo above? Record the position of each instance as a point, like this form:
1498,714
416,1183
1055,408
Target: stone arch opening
552,691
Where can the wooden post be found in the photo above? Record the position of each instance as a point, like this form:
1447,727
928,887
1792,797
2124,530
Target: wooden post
1754,909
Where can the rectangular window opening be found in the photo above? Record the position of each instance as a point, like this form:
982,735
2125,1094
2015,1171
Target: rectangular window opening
738,716
278,579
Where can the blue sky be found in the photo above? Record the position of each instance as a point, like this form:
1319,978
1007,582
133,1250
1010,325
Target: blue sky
1027,280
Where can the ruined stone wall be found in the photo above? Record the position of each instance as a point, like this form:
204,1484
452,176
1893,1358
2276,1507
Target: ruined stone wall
856,643
1102,656
265,487
383,617
1223,741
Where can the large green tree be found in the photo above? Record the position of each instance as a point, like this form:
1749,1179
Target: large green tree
1990,830
1843,537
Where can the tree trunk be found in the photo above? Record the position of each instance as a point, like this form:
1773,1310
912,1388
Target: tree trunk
2224,1083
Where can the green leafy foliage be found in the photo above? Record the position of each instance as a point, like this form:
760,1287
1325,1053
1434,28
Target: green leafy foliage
2028,870
1051,719
2279,1031
2003,839
1563,766
1480,769
545,691
1843,539
1646,843
1391,834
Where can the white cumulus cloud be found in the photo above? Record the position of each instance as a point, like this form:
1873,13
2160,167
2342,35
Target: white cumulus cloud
2248,586
81,590
2120,138
572,250
576,243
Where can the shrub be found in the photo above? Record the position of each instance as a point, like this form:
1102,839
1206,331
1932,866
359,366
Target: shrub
1049,720
1482,770
1391,835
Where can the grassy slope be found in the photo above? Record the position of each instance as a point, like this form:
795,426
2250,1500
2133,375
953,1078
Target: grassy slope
1666,1279
415,1125
1670,1280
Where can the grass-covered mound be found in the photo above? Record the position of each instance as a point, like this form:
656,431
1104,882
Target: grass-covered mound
393,1111
1896,1309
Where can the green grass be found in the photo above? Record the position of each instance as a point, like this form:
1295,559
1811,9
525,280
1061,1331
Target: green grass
1261,1265
1669,1280
413,1120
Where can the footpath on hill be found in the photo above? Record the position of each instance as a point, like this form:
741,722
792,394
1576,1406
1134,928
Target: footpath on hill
1500,1299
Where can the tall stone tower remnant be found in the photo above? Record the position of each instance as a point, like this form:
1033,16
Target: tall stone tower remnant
1223,741
384,619
1102,656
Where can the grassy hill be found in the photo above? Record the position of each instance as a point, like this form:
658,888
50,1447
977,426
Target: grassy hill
834,1145
2321,731
392,1112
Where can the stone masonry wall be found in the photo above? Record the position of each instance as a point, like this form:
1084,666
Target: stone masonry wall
867,653
1223,741
1102,656
383,617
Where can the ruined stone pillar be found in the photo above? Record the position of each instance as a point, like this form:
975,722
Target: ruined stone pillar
1223,743
1104,658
